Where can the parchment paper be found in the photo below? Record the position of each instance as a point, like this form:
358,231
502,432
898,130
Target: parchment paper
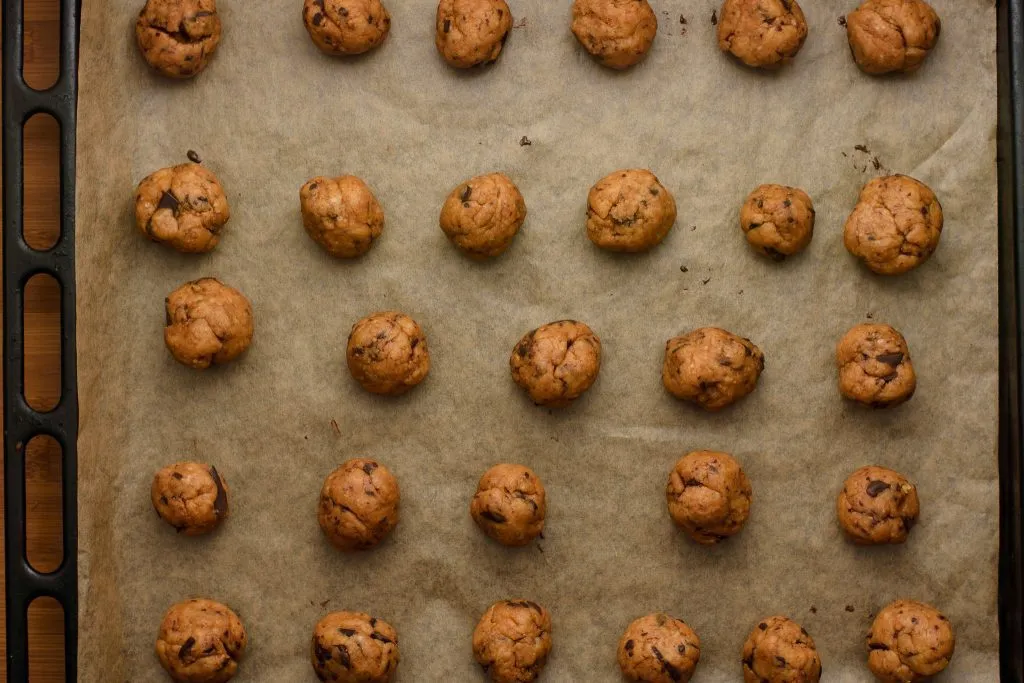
271,111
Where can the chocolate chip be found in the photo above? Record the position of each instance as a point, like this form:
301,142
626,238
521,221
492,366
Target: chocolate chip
343,11
495,517
629,647
343,656
876,487
318,19
780,661
654,191
322,654
691,482
186,648
877,646
447,25
381,637
177,475
369,467
220,503
763,626
892,359
466,193
786,203
193,157
168,201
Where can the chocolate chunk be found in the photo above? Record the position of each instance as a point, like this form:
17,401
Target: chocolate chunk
318,19
193,157
495,517
186,648
787,203
673,672
763,626
892,359
629,646
343,11
876,487
877,646
168,201
774,254
220,503
369,467
447,25
348,632
780,661
343,656
466,193
177,475
381,637
322,654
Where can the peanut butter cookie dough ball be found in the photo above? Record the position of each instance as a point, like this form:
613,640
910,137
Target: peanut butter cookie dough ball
909,642
762,33
208,323
557,362
183,207
778,650
874,366
895,226
482,215
341,215
387,353
778,220
200,641
877,505
353,647
358,505
190,496
512,641
346,27
178,37
708,496
892,35
472,32
509,504
617,33
658,649
711,367
629,210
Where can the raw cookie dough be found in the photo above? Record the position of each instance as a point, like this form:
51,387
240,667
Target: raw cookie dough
512,641
482,215
895,226
909,641
509,504
200,641
778,220
183,207
341,215
874,366
346,27
190,496
353,647
618,33
711,367
762,33
629,210
178,37
557,362
658,649
387,353
472,32
778,650
358,505
708,496
877,505
892,35
208,323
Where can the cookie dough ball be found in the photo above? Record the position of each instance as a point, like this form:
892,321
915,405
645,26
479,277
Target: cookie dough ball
346,27
472,32
909,641
658,649
358,505
200,641
352,647
629,210
877,505
190,496
509,504
178,37
892,35
341,214
617,33
482,215
387,353
711,367
512,641
708,496
208,323
778,220
183,207
762,33
557,362
874,366
895,226
778,650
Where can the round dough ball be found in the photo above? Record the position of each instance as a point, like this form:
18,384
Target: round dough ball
509,504
909,641
877,505
353,647
200,641
346,27
208,323
358,505
629,210
387,353
711,367
482,215
708,496
341,215
472,32
895,226
762,33
557,362
190,496
512,641
874,366
778,650
617,33
183,207
178,37
778,220
658,649
892,35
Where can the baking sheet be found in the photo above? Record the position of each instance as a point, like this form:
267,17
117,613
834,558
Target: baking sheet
271,111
